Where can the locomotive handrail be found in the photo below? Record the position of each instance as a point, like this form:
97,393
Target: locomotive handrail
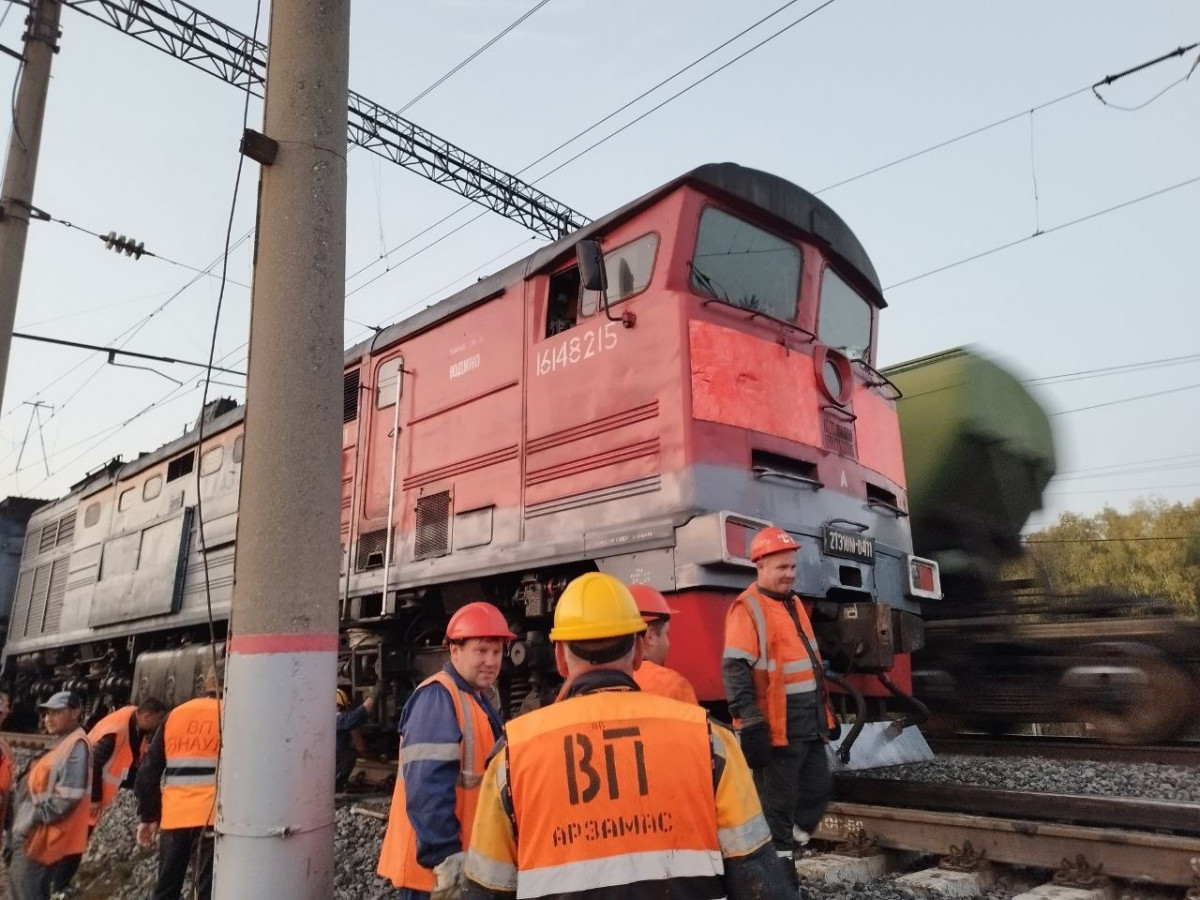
860,527
883,380
876,503
767,472
837,409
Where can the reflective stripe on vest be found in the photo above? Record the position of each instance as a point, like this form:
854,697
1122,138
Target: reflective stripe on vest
117,768
774,683
398,855
609,794
192,744
48,844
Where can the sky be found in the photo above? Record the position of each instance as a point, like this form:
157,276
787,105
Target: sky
142,144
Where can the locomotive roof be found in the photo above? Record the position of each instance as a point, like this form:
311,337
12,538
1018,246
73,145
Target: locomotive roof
779,198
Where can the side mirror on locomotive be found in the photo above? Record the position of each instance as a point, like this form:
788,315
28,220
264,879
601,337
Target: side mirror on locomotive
590,259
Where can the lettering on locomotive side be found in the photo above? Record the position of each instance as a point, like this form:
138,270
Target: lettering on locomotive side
577,347
463,366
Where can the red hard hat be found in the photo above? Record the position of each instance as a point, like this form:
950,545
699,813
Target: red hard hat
771,540
650,603
478,620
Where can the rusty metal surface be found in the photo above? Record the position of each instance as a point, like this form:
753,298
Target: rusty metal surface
1176,753
1077,809
1140,856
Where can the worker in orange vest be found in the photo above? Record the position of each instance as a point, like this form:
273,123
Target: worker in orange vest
119,741
50,824
613,791
447,728
653,675
773,676
176,787
6,767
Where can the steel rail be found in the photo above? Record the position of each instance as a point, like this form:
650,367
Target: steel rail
21,740
188,34
1136,855
1076,809
1175,753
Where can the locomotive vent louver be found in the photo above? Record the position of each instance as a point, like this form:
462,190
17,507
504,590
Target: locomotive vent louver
350,396
372,547
433,526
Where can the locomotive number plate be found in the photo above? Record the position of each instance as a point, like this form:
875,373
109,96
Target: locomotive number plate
849,544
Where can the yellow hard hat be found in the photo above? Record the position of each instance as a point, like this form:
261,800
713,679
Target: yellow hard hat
343,699
595,606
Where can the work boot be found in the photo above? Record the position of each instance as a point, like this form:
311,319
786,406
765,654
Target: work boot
788,861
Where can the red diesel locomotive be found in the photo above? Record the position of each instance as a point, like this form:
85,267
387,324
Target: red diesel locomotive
532,427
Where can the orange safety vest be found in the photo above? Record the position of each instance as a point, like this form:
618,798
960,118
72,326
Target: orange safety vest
780,664
192,741
612,789
117,768
398,855
6,778
49,843
656,679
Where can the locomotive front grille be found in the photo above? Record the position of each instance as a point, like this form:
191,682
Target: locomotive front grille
372,547
837,435
433,526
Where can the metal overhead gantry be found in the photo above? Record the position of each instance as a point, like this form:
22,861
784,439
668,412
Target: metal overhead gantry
188,34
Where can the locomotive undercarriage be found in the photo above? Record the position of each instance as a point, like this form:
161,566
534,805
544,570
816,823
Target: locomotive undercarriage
105,673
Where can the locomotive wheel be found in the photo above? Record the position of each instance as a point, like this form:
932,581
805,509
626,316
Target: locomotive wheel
1155,710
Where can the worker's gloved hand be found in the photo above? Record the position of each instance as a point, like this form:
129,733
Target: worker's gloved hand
756,744
835,730
447,877
378,690
145,834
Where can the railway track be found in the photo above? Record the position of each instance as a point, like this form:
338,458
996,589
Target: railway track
20,740
1175,753
1143,841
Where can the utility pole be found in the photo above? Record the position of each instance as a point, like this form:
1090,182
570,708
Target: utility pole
16,195
275,780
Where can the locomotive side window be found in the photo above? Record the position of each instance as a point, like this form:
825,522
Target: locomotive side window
181,465
91,515
628,268
211,461
125,500
152,488
844,317
387,382
562,306
238,442
740,264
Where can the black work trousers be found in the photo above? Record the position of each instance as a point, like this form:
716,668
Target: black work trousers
794,789
176,848
28,880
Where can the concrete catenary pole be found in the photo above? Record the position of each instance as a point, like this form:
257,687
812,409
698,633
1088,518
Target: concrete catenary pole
275,781
16,195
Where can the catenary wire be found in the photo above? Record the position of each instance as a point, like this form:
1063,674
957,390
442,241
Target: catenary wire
1122,369
1060,227
461,65
573,139
1119,400
145,252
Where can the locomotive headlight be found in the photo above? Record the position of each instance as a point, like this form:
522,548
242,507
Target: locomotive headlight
832,378
833,375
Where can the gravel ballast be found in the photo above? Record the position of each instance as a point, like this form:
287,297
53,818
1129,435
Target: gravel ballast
114,868
1034,774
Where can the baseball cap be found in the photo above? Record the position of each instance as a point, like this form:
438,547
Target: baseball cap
62,700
